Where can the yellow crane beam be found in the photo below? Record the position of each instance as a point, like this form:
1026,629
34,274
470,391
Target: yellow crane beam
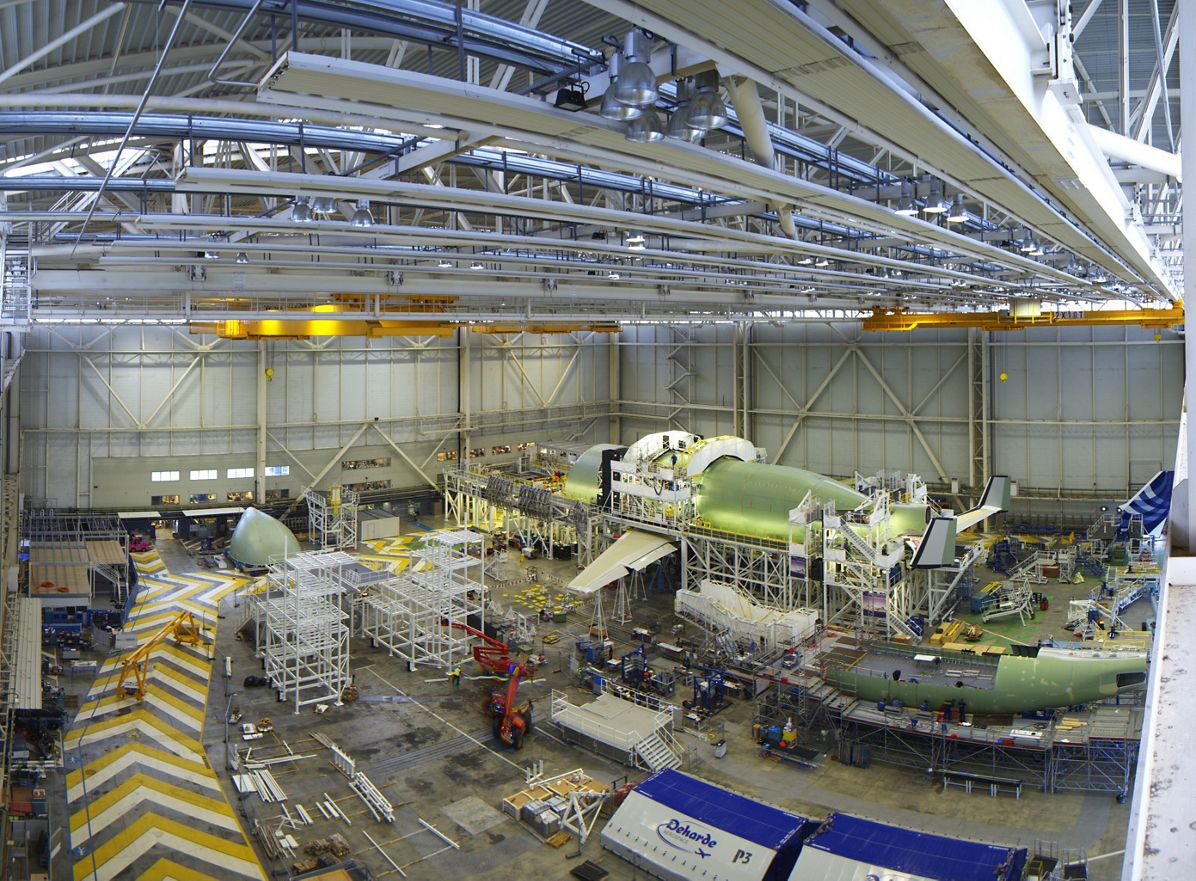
302,328
899,320
543,327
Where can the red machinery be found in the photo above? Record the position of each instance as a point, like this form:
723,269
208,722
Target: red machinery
493,657
511,723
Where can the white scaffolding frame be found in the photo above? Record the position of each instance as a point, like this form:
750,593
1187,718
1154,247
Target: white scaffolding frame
412,614
332,524
300,627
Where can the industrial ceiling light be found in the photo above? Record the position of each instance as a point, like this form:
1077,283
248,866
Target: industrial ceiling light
646,129
905,205
301,212
211,255
636,238
613,276
322,205
444,264
1028,245
822,261
680,130
805,261
679,127
935,204
707,110
362,216
636,84
475,265
242,258
612,108
957,214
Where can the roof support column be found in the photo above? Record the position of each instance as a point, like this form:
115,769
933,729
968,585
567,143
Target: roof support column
978,416
615,388
259,470
741,424
10,403
464,374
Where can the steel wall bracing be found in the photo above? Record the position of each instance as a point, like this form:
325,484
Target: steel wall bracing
106,406
1079,413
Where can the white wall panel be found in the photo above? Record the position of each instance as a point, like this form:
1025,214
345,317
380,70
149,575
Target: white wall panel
82,448
1081,408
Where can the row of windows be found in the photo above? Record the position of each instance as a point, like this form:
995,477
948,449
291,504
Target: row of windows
212,473
367,485
480,452
202,498
354,464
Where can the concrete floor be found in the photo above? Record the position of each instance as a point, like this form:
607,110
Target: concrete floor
435,759
1051,624
431,754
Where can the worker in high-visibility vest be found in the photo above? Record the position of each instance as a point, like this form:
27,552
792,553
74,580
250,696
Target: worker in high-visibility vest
455,676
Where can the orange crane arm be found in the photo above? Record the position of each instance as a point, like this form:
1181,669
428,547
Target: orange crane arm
492,656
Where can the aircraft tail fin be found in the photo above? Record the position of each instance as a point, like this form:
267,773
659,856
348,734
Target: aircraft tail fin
1152,503
937,547
996,498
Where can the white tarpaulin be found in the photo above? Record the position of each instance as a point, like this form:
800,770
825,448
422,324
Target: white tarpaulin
633,552
720,606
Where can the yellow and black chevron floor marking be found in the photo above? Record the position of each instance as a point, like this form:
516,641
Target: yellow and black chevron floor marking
143,801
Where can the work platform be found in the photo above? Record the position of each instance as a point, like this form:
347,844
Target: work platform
68,550
1089,750
636,734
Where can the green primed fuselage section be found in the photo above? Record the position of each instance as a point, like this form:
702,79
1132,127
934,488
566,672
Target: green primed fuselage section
752,498
749,498
1020,684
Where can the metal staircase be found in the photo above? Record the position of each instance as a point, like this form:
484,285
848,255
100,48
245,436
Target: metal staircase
859,544
1015,599
118,580
16,291
1131,591
656,755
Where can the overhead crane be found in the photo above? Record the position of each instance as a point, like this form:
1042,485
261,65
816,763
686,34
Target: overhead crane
903,321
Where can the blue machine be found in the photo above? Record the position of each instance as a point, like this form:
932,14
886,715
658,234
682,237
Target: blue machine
1001,558
710,690
633,666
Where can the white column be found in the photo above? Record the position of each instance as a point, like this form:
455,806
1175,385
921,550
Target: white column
464,373
745,394
12,408
259,471
615,388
